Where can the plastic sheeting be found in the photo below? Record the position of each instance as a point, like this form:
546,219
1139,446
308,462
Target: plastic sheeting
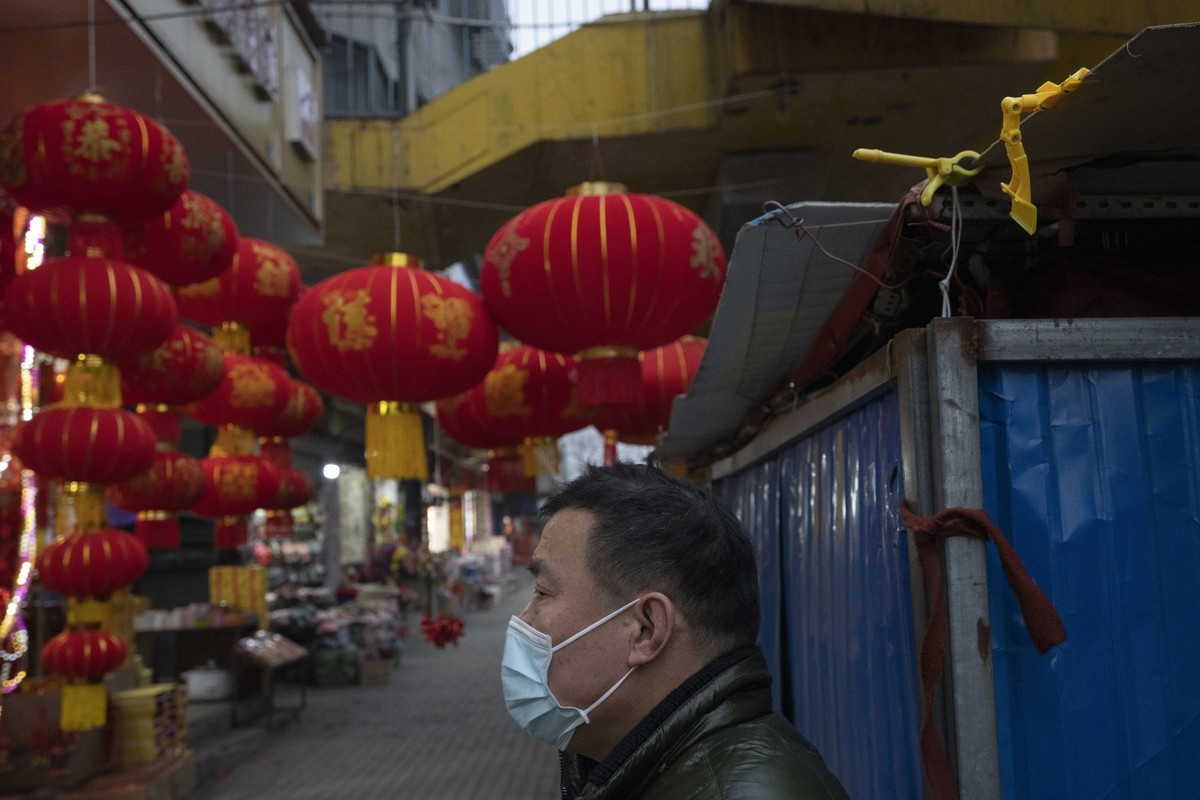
1094,474
848,655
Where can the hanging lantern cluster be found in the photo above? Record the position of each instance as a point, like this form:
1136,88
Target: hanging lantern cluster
392,335
296,487
603,274
95,165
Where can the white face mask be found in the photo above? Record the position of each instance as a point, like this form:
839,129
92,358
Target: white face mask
523,674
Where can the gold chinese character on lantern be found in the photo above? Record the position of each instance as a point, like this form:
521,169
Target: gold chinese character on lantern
251,387
705,249
452,318
502,255
272,278
236,482
504,392
351,326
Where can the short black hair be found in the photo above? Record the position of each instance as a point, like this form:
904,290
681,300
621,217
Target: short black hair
656,532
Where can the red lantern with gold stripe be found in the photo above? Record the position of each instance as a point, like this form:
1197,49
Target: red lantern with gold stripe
191,242
235,485
187,367
174,482
252,393
83,657
301,414
603,274
256,292
463,418
81,443
296,488
92,563
89,155
388,335
99,306
667,372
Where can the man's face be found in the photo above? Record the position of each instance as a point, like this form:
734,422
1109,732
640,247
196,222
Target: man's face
564,603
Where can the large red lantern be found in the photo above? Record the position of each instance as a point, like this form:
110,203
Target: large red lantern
83,657
191,242
92,563
388,335
252,393
603,274
667,372
187,367
463,418
256,292
88,155
174,482
235,485
98,306
90,445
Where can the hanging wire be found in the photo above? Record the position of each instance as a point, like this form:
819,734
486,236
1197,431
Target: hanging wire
92,45
955,241
797,225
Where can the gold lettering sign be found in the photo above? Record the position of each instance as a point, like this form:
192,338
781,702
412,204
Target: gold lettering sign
236,482
504,392
502,255
252,388
350,324
704,253
452,318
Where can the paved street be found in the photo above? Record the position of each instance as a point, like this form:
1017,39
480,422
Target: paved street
437,731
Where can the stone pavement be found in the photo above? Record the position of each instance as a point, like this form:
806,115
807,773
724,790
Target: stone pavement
437,730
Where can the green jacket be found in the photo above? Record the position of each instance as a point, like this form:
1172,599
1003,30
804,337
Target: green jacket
714,737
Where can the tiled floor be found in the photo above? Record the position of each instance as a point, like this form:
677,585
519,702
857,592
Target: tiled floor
437,730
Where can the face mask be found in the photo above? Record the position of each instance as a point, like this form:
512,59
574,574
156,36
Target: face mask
523,674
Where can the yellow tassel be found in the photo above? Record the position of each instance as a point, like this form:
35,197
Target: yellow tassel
84,706
233,441
91,382
529,461
81,507
395,442
90,614
232,338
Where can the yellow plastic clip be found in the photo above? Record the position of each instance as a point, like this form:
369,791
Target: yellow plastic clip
1048,94
941,171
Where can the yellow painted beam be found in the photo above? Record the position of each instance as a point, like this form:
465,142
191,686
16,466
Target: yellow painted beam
623,76
1117,17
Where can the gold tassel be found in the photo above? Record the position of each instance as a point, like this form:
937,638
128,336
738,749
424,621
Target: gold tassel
232,338
91,382
529,460
95,614
233,441
395,442
84,706
81,507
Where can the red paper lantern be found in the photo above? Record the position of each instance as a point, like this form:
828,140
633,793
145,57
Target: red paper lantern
191,242
389,334
257,291
603,274
81,443
532,392
667,372
78,304
88,155
174,482
236,485
463,419
83,655
301,413
187,367
92,563
252,394
296,488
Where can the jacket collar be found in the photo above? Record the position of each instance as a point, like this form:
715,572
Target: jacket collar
671,727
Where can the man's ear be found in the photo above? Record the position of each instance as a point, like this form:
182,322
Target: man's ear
656,618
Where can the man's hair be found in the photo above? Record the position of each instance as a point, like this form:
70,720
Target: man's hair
655,532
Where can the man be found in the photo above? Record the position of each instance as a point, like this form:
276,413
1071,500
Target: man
636,655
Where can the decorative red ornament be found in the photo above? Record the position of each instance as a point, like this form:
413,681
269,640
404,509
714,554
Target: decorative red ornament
296,488
84,655
463,418
252,393
191,242
90,445
234,486
388,334
174,482
603,274
442,629
257,291
300,415
667,372
78,304
89,155
187,367
532,392
92,563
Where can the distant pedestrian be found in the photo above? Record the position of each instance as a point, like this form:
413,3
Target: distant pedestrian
637,656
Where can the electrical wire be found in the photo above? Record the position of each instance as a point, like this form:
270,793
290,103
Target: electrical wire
797,225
